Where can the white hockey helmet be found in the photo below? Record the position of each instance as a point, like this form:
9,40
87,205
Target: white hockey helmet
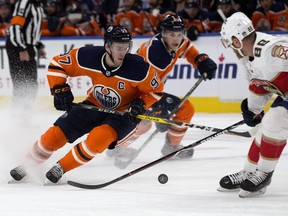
237,25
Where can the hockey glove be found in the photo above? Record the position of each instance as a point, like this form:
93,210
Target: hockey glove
192,33
63,97
250,118
137,107
205,65
161,111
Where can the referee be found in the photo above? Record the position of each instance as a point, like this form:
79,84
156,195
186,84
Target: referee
22,46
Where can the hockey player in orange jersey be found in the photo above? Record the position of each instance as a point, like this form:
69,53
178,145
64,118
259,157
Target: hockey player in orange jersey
162,52
120,81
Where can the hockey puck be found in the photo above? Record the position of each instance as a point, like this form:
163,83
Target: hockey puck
163,179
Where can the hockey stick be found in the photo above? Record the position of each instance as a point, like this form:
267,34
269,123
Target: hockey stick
153,163
221,14
123,164
164,120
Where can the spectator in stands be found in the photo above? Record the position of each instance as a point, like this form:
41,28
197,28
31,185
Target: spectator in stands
270,16
193,15
245,6
5,17
81,9
178,5
129,16
59,24
216,18
104,12
208,5
55,18
151,16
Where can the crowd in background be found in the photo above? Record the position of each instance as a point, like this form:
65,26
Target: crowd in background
141,17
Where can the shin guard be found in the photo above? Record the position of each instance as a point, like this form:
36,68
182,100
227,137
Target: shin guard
97,141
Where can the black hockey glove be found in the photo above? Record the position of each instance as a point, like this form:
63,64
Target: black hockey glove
250,118
63,97
161,111
192,33
205,65
137,107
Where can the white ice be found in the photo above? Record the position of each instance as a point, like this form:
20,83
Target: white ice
191,189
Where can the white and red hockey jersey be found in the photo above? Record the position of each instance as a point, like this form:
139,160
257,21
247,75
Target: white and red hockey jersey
267,71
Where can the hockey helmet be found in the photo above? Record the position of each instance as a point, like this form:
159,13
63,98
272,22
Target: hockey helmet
117,34
172,23
237,25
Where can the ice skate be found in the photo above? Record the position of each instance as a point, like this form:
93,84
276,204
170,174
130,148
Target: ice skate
169,148
123,159
255,184
55,173
18,173
233,181
113,152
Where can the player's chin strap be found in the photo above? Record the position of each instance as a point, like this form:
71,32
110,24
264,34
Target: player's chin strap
110,55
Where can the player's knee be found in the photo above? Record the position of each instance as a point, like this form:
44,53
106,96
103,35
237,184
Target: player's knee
272,130
186,112
100,138
53,139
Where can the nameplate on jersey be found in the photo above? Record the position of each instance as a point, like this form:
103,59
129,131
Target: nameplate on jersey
268,86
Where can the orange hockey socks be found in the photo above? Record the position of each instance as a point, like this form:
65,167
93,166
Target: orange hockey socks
97,141
49,142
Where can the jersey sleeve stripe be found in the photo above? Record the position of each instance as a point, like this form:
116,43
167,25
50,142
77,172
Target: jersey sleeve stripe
57,74
55,68
156,96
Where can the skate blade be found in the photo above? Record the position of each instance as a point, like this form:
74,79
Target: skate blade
245,194
221,189
62,181
13,181
25,179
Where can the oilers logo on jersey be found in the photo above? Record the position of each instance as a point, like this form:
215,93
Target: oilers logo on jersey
106,96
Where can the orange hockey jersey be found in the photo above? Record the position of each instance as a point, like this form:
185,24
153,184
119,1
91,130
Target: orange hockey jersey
276,19
111,88
155,53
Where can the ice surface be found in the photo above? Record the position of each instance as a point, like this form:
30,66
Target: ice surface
191,189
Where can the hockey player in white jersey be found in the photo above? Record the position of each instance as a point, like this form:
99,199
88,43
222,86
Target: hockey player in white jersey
265,61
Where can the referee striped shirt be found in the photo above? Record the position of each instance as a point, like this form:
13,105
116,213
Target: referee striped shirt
25,25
